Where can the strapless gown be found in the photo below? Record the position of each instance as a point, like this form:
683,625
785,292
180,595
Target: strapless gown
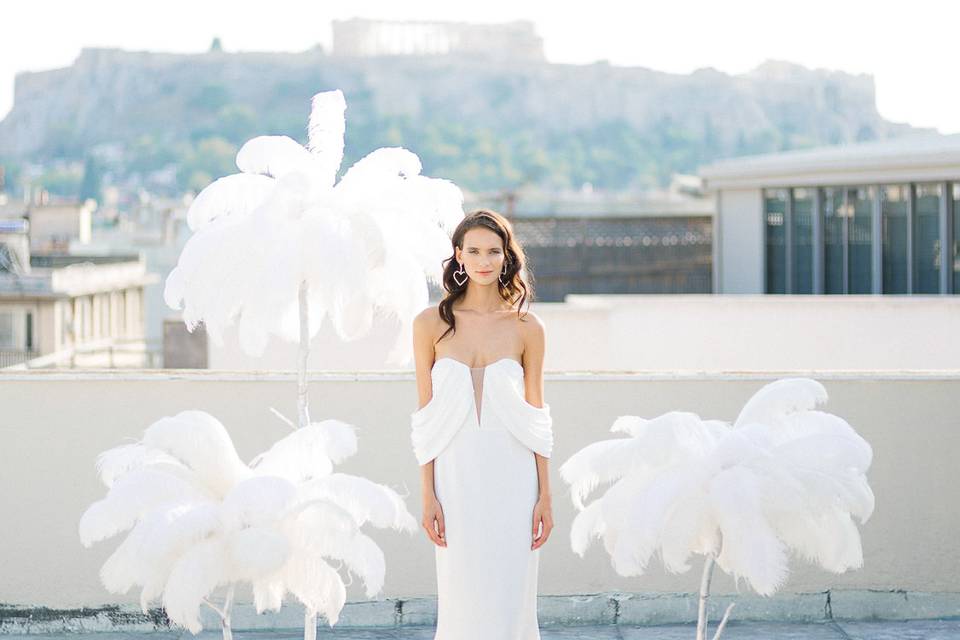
483,434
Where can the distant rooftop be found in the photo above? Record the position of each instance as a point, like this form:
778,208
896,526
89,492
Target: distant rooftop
54,260
907,158
598,204
62,276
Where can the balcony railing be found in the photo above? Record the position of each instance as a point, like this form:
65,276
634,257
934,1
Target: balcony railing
11,357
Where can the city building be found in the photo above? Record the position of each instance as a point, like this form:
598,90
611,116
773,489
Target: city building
366,38
870,218
64,310
593,242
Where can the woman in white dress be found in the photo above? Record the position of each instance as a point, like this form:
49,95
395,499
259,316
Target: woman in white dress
483,436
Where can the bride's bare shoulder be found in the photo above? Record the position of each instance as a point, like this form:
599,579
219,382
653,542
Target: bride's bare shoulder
530,321
428,319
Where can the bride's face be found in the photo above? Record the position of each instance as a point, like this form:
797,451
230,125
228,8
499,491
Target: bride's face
482,255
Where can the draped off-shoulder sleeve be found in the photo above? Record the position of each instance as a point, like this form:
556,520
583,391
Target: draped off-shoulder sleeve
433,426
533,426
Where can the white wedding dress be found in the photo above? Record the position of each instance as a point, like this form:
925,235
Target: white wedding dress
483,433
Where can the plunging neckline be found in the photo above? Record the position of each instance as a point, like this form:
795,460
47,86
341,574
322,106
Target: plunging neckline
478,390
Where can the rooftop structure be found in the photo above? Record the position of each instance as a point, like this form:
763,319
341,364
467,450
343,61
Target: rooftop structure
366,38
878,217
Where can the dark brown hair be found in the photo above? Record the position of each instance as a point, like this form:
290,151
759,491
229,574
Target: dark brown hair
519,284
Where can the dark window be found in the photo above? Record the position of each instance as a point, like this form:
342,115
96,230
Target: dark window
775,209
860,204
802,240
833,224
926,239
956,237
894,203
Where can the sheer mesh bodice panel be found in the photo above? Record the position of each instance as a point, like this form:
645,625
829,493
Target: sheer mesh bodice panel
477,374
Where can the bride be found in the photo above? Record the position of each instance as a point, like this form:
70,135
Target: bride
483,437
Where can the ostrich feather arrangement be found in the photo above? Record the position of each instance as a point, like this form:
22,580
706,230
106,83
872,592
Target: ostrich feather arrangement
198,518
358,248
783,476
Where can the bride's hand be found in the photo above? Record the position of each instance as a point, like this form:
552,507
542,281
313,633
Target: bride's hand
542,513
433,521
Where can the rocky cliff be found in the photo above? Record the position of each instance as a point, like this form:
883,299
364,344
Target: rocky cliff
533,119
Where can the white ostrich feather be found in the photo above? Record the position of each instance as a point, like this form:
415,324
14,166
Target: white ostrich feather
364,558
201,569
268,594
330,530
655,443
325,132
131,497
237,194
308,452
153,543
257,501
275,156
779,399
164,543
784,476
202,443
113,463
316,584
365,500
319,524
383,227
253,552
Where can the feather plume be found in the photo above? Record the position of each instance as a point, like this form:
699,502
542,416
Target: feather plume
783,476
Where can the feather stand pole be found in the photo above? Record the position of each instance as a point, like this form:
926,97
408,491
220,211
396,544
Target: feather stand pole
303,409
702,603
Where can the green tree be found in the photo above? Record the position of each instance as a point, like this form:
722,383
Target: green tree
92,179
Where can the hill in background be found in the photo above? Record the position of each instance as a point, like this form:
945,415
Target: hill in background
175,121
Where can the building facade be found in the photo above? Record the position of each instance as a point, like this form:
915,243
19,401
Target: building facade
63,310
872,218
602,243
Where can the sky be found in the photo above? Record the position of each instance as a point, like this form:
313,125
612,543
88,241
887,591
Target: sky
910,49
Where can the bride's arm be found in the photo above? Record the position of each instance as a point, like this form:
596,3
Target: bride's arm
423,355
533,352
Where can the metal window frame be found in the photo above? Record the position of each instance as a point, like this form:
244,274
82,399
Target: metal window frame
876,242
946,238
911,207
845,235
819,248
788,242
953,236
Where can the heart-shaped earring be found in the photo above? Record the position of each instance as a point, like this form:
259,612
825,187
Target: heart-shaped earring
461,272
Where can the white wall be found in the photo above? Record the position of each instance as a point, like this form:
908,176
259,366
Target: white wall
694,332
53,425
740,227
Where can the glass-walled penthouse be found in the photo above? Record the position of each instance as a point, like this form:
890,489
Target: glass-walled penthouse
873,238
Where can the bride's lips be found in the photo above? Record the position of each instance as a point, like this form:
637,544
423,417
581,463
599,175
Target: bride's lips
485,272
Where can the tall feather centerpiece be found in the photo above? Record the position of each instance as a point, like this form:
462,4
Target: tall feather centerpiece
783,476
275,250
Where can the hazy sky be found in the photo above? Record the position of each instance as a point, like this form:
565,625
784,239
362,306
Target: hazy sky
911,48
